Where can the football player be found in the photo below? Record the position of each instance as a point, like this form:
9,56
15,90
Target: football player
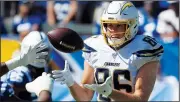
31,55
119,65
39,59
42,86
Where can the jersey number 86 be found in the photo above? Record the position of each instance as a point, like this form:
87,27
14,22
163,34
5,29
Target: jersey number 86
102,73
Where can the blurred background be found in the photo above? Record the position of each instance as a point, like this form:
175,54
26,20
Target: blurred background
159,19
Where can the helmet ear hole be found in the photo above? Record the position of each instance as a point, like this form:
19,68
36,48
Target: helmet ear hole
128,26
105,25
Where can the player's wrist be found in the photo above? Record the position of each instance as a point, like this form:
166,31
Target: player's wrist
43,91
70,80
71,83
44,96
13,63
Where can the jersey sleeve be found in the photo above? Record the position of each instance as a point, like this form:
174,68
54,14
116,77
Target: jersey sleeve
6,90
152,52
88,51
18,76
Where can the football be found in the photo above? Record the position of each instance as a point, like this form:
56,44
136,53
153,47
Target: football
65,40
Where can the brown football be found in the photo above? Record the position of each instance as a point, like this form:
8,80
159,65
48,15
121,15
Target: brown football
65,40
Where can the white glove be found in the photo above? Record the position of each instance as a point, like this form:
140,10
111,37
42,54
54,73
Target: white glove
44,82
104,88
33,54
64,76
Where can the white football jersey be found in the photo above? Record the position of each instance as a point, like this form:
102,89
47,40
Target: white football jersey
122,64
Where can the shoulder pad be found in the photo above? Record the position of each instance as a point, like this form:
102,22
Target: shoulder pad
88,49
150,49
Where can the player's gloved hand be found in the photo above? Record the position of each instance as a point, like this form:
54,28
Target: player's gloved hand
44,82
64,76
104,88
33,54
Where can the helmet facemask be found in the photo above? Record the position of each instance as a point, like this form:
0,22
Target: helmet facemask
120,12
115,42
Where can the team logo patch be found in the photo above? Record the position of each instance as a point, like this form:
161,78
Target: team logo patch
114,55
128,4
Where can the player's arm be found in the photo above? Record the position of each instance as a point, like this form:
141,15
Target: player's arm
33,54
72,11
78,91
4,69
42,86
50,13
144,84
45,96
147,62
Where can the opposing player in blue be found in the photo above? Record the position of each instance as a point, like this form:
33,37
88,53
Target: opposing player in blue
33,54
30,62
119,65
